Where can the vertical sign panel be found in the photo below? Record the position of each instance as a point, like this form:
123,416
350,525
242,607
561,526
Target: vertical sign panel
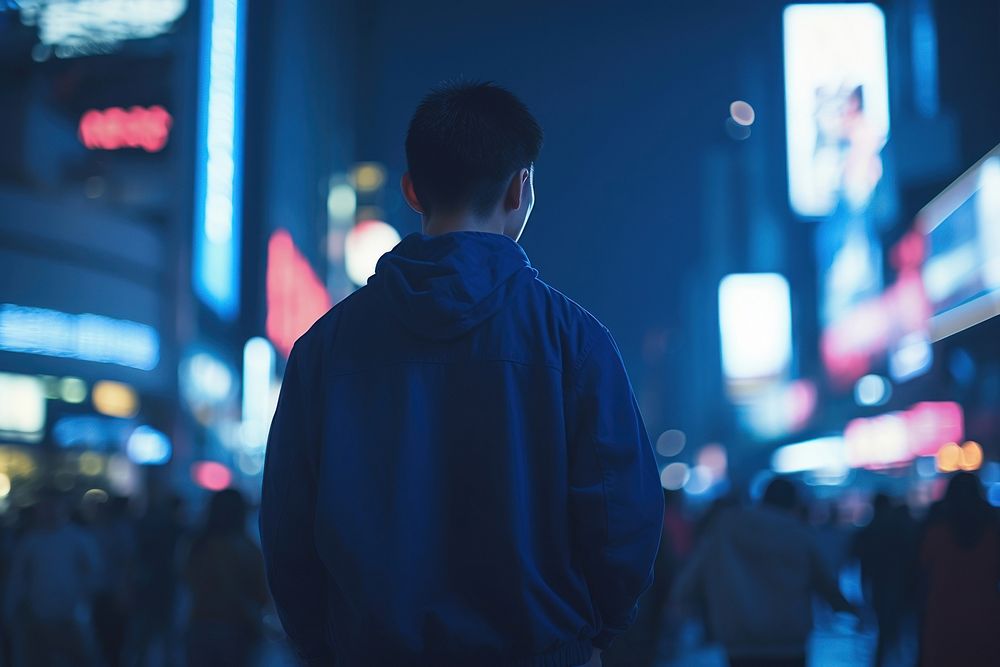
217,215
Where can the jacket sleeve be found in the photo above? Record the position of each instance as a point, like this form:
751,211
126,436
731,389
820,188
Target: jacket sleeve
295,573
616,501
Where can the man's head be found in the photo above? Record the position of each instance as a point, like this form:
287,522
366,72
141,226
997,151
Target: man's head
470,151
781,494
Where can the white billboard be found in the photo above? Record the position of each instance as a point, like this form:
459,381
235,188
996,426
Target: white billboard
836,104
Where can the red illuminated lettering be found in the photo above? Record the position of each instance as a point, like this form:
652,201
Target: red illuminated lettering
137,127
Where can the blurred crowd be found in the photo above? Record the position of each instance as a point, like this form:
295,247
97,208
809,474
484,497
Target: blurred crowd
100,583
756,579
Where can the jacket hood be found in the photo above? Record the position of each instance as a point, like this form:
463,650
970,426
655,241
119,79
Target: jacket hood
440,287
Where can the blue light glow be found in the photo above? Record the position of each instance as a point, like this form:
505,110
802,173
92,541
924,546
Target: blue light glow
147,446
91,432
993,494
218,188
85,336
923,44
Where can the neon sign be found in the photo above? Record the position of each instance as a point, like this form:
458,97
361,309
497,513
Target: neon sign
115,128
295,296
218,178
85,336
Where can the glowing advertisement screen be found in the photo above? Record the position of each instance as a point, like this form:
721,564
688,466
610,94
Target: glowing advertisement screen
961,272
836,104
217,219
755,323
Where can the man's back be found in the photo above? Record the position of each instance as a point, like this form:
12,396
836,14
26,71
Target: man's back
462,443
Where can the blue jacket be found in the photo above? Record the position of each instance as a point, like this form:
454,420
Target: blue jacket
457,472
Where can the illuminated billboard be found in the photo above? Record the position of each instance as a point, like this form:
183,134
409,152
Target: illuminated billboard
961,274
755,322
836,104
85,27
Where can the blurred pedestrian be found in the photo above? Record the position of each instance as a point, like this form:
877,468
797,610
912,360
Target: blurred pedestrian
960,556
52,578
886,552
457,472
757,571
225,573
159,534
115,535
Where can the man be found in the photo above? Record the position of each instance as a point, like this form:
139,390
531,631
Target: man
457,471
52,577
886,549
757,571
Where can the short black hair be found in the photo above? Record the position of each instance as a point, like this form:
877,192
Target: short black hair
466,139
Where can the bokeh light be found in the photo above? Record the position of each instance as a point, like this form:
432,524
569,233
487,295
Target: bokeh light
341,202
122,475
949,457
115,399
713,458
872,390
671,443
211,475
147,446
368,176
742,113
91,464
972,456
95,496
699,481
365,244
926,467
675,476
73,390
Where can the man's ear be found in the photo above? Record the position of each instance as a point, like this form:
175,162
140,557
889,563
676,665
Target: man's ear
515,190
409,194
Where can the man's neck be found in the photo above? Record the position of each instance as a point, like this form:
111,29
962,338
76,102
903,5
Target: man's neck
446,224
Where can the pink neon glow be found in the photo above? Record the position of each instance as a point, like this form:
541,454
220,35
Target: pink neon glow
849,345
801,399
295,296
898,437
211,475
115,128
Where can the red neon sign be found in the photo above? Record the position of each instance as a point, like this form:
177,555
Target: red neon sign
136,127
295,296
